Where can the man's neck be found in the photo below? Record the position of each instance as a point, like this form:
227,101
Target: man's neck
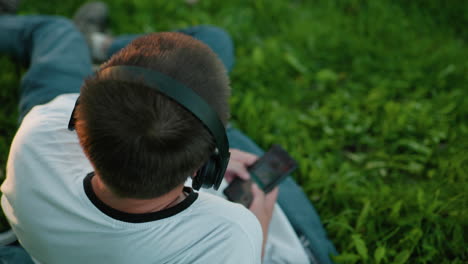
136,206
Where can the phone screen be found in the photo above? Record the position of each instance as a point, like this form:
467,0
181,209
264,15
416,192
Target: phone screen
267,172
272,168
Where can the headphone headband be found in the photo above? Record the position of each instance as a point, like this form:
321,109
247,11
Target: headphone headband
178,92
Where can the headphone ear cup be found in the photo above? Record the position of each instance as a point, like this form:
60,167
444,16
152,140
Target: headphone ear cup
210,177
199,178
206,176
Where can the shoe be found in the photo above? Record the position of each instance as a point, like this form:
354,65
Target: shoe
92,19
9,6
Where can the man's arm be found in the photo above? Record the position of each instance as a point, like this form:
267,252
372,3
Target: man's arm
262,207
263,204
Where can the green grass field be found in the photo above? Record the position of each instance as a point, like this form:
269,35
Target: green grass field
371,98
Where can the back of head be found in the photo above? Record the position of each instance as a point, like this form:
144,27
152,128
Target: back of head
141,143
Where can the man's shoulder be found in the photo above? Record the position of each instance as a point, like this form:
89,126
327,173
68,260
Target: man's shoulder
223,207
43,147
235,215
54,114
45,124
223,230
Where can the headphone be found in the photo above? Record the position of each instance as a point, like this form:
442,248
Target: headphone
212,172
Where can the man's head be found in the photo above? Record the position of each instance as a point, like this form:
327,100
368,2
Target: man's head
141,143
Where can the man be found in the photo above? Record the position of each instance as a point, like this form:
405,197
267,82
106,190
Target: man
141,145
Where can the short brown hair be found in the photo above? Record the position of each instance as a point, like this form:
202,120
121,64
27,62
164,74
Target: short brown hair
141,143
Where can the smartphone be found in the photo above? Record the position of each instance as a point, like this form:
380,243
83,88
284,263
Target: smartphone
267,172
239,191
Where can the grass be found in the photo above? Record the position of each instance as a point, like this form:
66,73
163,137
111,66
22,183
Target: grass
369,96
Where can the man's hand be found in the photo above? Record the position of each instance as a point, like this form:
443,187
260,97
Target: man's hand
238,165
262,207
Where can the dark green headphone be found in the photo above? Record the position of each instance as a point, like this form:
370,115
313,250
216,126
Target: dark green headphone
212,172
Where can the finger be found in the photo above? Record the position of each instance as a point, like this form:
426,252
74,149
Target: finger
236,169
229,176
243,157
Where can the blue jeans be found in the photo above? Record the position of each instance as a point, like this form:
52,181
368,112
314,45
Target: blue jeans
59,60
14,255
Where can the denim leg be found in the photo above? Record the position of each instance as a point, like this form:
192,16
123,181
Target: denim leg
14,255
55,51
295,204
120,42
217,39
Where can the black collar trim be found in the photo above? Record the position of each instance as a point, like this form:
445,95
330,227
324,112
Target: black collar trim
137,218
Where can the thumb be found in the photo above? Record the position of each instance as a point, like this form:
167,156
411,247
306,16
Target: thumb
258,194
256,190
272,196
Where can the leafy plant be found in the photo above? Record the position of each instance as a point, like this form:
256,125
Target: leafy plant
369,96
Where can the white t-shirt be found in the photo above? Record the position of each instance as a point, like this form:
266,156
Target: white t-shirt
49,202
